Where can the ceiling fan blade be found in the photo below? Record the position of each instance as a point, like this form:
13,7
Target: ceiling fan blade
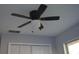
18,15
41,9
24,24
50,18
14,31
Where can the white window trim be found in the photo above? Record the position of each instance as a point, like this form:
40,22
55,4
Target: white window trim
65,44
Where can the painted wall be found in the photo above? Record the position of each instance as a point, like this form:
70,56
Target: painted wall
0,43
6,38
68,35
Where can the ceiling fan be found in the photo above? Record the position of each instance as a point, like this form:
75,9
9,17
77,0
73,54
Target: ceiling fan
35,15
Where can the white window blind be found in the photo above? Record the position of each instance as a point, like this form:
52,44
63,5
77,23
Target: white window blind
41,49
13,49
24,49
29,49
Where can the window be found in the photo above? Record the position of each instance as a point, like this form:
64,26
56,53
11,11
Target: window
72,47
29,49
19,49
41,49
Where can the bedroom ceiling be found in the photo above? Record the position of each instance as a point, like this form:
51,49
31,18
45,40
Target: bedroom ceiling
69,16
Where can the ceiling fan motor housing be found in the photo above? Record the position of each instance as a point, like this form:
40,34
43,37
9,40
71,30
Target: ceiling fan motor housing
34,14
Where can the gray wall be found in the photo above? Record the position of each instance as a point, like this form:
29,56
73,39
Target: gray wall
66,36
0,43
6,38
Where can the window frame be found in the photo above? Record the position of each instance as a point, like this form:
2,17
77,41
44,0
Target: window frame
65,45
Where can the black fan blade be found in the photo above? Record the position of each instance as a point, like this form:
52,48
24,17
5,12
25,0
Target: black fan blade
14,31
41,9
24,24
50,18
18,15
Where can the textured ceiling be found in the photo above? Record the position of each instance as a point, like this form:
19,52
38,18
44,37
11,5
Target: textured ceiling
69,16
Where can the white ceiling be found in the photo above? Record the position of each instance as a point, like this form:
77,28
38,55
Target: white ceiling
69,16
